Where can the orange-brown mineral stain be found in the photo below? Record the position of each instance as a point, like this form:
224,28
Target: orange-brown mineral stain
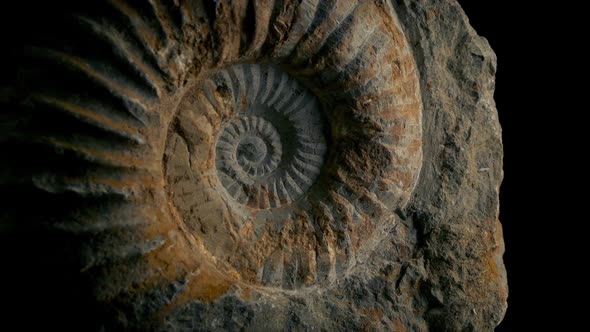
494,262
207,285
371,316
399,325
181,258
246,294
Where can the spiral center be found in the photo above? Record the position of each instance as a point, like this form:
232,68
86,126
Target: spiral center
271,151
252,148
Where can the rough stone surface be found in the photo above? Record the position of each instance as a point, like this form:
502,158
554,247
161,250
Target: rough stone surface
261,165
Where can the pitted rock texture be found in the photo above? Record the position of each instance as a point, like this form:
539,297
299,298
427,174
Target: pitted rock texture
259,165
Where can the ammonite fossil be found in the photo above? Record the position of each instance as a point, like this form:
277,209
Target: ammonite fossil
202,150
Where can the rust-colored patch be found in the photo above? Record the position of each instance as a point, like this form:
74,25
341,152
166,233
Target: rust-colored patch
494,262
492,266
399,326
246,294
371,316
207,285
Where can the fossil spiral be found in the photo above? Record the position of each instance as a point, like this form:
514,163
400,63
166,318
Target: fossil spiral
212,144
272,154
